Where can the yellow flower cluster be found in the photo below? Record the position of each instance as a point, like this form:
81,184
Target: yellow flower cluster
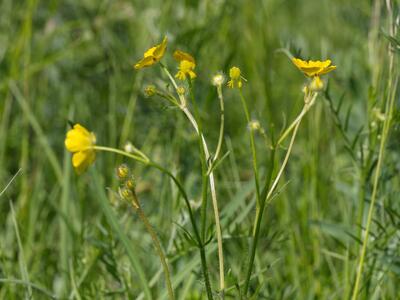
80,142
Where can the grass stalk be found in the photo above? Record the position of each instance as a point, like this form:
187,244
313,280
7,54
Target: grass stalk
389,109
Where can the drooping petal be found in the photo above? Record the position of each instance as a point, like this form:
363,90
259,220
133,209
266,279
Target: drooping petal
180,56
327,70
160,49
145,62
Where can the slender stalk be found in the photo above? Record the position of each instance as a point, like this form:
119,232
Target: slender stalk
307,106
262,206
267,194
214,201
392,88
256,230
254,156
186,199
222,123
207,155
136,205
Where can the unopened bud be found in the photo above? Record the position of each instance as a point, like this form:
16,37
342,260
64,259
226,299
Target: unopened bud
255,125
150,91
123,172
181,90
130,183
126,193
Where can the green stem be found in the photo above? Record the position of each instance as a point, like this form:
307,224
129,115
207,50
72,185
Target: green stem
266,196
207,156
157,245
306,107
253,151
222,123
187,202
264,201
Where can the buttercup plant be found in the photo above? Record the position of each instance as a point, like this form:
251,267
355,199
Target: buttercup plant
82,144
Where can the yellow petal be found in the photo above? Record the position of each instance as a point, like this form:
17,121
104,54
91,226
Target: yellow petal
160,49
327,70
310,71
299,63
82,160
150,52
192,74
180,75
79,138
180,56
145,62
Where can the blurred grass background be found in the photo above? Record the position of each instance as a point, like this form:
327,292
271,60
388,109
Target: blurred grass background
72,60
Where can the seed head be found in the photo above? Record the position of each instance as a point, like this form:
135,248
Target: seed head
218,79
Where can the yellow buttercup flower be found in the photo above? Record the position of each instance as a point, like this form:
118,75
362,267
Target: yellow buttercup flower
186,65
313,68
236,78
80,142
186,69
152,55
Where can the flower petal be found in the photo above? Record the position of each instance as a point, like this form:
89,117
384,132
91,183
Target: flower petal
145,62
180,56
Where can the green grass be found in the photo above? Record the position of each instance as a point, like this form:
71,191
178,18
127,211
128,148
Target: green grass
65,236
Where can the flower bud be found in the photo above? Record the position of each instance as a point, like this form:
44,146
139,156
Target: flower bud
181,90
150,91
123,171
126,193
130,183
254,125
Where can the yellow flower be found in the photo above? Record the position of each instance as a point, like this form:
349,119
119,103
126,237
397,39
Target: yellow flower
186,65
80,142
313,68
152,55
236,78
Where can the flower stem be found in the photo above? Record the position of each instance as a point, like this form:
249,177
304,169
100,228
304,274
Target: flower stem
221,128
264,201
207,156
306,107
186,199
254,155
266,196
156,242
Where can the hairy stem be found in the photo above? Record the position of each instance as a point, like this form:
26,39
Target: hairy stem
136,205
192,120
186,199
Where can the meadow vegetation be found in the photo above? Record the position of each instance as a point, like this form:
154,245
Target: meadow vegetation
199,149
